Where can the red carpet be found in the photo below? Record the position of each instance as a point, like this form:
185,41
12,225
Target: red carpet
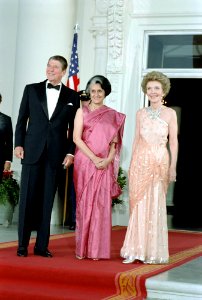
65,277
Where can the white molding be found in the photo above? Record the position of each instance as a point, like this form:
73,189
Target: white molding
152,15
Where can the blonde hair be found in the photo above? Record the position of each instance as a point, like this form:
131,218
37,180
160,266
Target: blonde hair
156,76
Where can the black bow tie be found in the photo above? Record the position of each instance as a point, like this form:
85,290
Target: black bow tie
50,86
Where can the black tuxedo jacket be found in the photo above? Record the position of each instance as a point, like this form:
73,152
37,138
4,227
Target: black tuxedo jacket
6,139
35,131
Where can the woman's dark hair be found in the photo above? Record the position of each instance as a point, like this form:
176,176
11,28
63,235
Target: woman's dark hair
103,81
0,98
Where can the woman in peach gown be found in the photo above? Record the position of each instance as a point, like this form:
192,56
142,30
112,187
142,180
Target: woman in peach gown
152,167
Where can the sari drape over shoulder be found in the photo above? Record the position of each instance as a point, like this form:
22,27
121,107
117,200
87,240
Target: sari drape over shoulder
96,188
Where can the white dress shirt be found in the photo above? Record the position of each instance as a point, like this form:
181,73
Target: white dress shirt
52,99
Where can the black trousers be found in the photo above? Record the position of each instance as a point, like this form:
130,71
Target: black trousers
37,193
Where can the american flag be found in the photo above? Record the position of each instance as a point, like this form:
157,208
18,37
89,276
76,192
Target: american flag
73,78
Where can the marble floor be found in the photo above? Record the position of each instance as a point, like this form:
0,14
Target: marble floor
181,283
8,234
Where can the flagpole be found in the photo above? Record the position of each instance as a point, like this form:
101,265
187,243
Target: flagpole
76,28
73,83
65,199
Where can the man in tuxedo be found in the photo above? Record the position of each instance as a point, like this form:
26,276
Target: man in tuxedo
43,142
6,142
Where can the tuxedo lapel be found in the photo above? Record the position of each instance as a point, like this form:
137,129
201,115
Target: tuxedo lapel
41,91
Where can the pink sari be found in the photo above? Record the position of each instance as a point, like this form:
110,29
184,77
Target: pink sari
96,188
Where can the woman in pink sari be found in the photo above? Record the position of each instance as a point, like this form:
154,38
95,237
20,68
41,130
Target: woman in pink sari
98,135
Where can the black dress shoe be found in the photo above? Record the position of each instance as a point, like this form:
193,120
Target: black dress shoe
72,227
45,253
22,252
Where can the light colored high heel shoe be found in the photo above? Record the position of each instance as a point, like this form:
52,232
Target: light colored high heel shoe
128,260
79,257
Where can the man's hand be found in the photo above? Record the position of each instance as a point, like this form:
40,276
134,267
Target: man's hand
7,166
68,161
19,152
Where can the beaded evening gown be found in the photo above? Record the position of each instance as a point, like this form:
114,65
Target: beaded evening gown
147,235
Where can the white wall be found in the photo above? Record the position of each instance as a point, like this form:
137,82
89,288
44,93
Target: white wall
45,28
165,7
8,36
86,41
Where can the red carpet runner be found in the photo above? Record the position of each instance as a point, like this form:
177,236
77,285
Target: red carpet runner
65,277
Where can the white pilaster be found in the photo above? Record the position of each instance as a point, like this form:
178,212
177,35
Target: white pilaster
45,28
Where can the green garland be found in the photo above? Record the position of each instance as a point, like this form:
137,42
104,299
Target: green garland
9,190
122,183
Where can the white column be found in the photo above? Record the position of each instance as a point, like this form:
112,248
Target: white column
8,29
99,30
45,28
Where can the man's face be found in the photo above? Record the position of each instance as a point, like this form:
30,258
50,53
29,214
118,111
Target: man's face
54,71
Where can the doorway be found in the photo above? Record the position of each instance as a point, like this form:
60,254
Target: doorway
185,94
